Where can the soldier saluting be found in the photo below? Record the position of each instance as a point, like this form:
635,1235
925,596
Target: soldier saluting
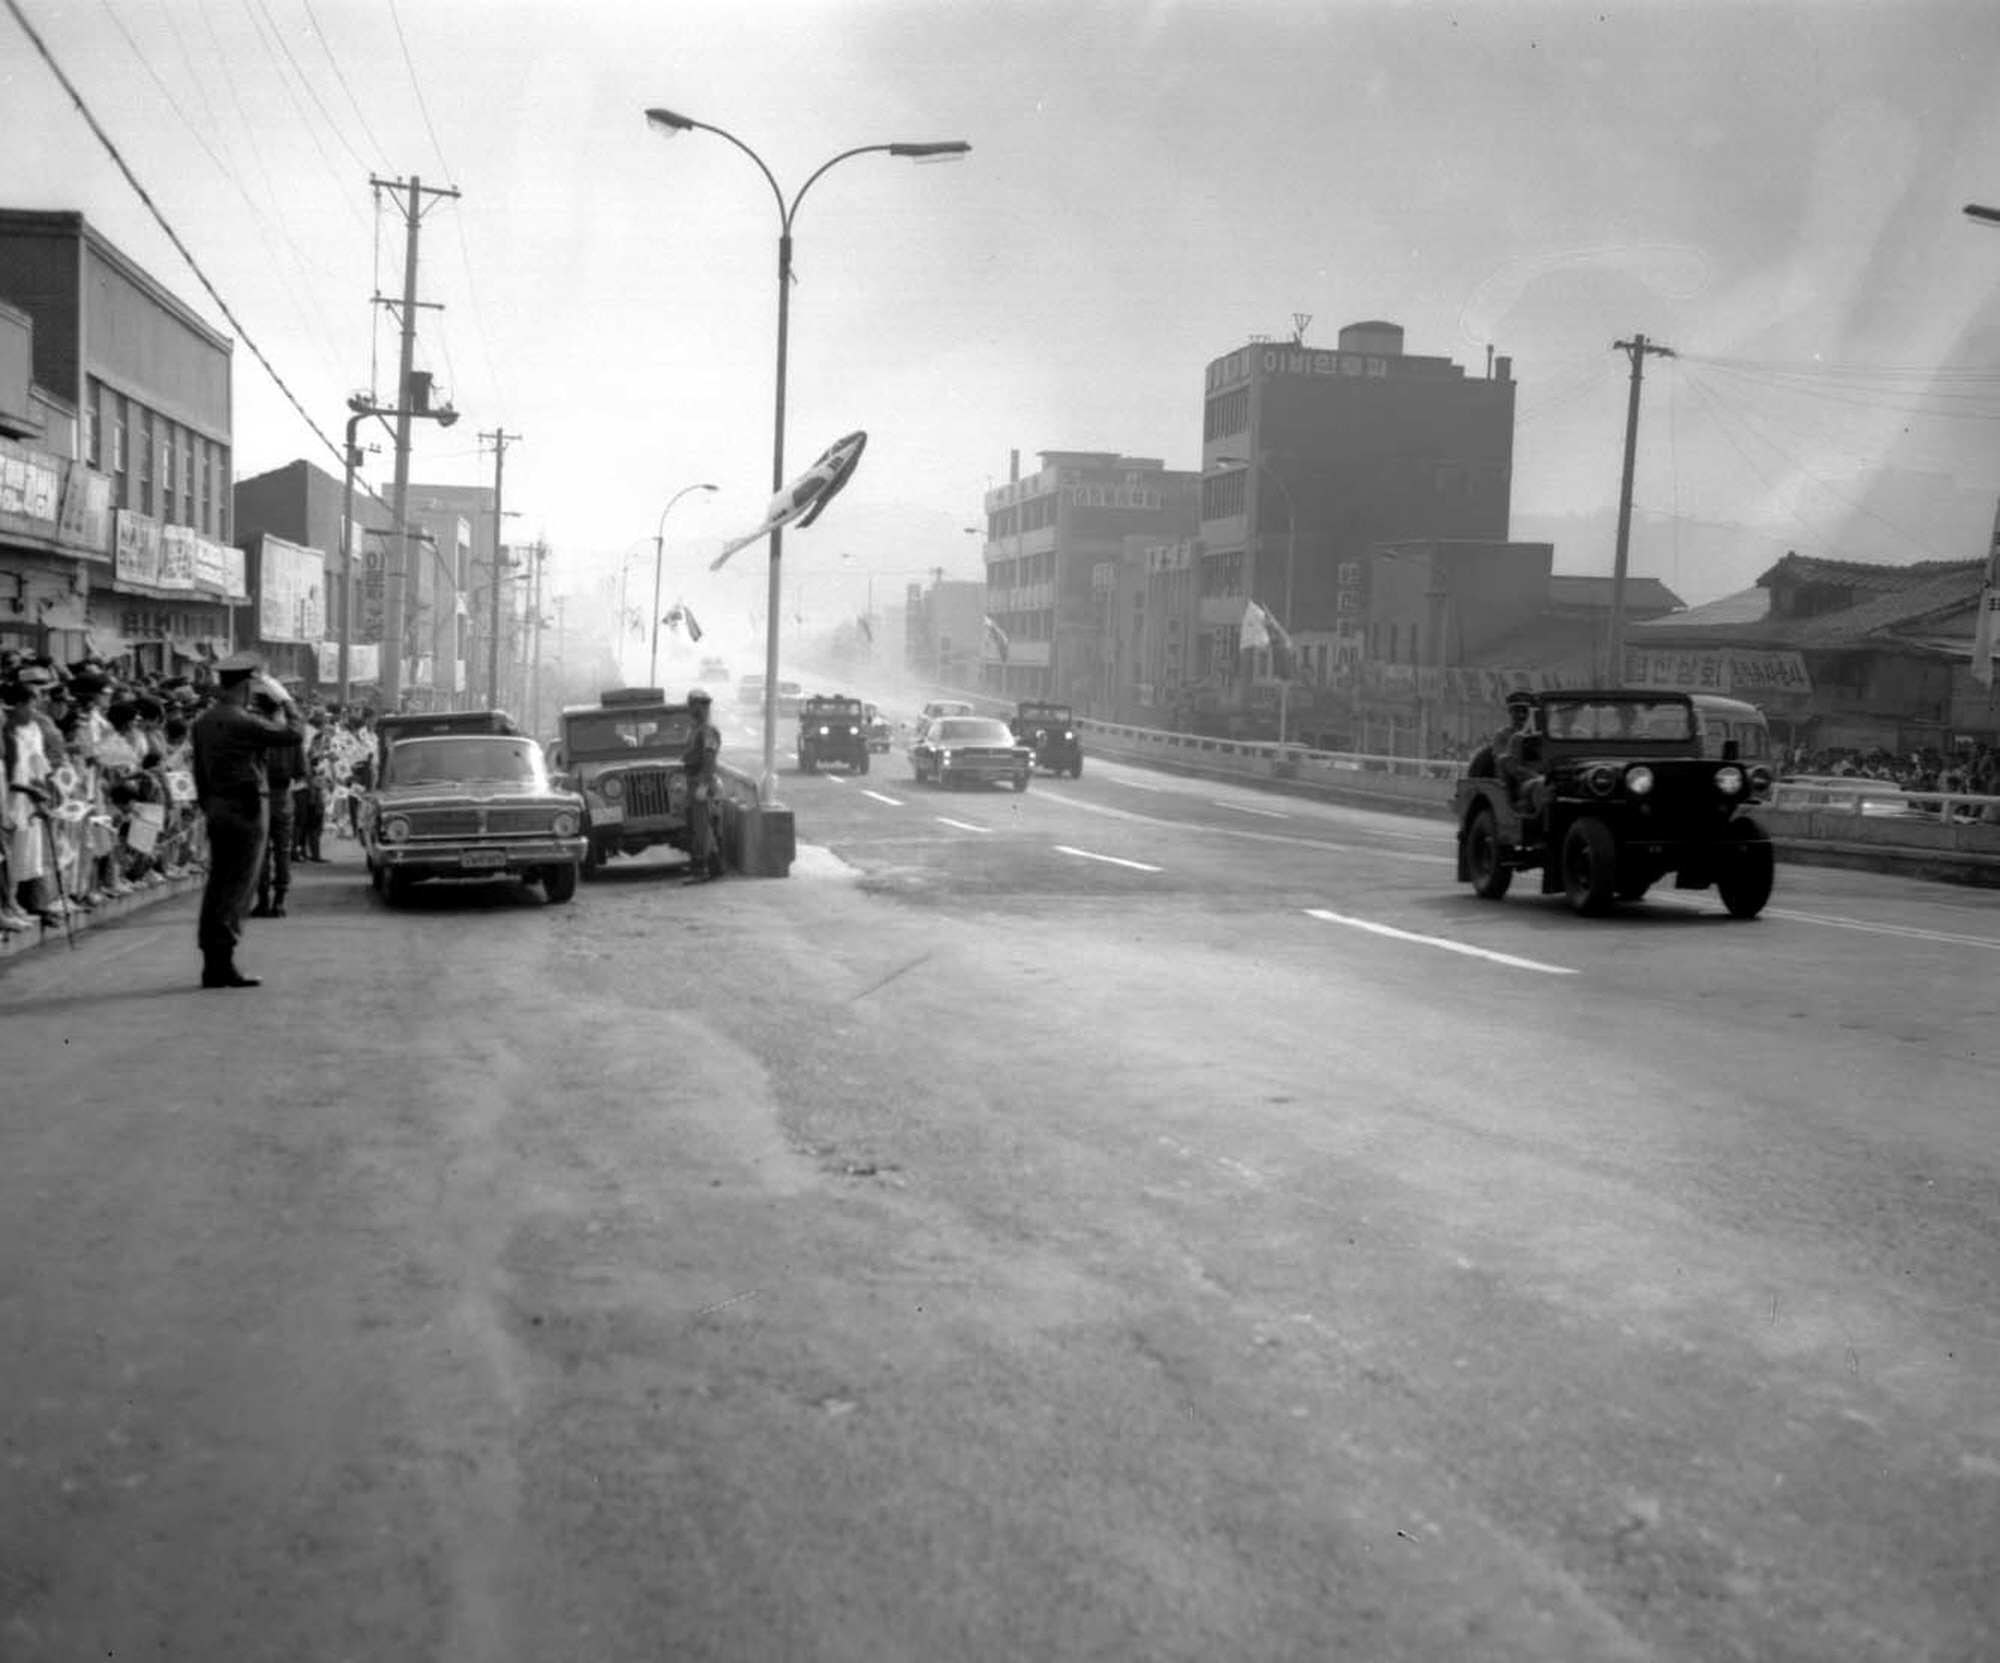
251,717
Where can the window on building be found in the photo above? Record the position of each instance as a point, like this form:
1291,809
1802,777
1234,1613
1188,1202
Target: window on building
146,459
222,517
206,467
1226,413
93,427
186,459
1223,496
121,483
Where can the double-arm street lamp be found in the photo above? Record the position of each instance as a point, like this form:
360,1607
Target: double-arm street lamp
668,123
444,415
1291,551
659,547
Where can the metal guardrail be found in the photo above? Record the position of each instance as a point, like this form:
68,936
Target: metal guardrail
1847,794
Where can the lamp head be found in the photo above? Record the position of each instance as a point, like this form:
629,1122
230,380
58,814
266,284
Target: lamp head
666,123
445,415
944,150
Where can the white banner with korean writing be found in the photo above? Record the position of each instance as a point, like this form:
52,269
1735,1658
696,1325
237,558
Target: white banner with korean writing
177,557
1740,672
291,592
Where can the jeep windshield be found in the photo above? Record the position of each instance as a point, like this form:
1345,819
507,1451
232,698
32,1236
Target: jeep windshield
1619,721
466,760
624,734
832,710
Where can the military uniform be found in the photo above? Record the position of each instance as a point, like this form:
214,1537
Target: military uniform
274,871
230,743
704,743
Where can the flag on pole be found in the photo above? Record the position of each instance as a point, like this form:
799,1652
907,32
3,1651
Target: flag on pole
805,499
1986,633
1262,632
998,637
867,629
681,613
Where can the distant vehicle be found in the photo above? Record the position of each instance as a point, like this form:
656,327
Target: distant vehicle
714,669
935,708
876,726
790,696
469,803
832,730
750,692
978,750
625,755
1051,730
1619,794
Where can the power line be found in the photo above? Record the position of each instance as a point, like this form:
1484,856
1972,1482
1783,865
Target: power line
326,46
284,46
173,236
416,87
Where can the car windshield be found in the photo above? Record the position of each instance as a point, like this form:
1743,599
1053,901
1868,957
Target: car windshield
1618,720
972,730
467,760
629,733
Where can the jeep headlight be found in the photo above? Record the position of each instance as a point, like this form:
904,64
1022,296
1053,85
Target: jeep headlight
1602,780
1639,780
395,829
1067,736
944,756
824,730
611,788
564,824
852,730
1760,779
1729,781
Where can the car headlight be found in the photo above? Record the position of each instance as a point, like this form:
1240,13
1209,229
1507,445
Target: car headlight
395,829
1729,781
1639,780
611,788
564,825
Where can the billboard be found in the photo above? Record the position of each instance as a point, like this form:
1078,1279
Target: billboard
291,592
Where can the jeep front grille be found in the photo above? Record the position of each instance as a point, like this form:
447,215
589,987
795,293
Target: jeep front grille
650,793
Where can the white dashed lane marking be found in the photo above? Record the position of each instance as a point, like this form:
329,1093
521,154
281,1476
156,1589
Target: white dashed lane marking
961,825
1109,860
893,802
1245,808
1438,941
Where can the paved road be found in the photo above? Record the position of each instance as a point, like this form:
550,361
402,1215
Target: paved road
1133,1218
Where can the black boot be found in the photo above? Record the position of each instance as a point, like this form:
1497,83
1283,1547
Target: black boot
222,972
277,905
262,909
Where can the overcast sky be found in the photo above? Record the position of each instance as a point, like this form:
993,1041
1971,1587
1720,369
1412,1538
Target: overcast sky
1773,190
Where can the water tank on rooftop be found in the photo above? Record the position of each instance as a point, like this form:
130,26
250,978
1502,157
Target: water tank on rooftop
1385,340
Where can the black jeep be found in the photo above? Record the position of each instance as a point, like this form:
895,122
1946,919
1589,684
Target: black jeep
832,728
1606,793
1050,730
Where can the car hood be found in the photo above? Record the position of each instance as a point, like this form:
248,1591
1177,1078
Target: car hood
448,795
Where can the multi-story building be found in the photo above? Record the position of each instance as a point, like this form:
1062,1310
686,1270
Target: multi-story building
126,435
1313,457
944,628
1050,539
301,506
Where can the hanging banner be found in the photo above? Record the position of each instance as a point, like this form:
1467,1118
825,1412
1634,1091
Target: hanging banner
177,546
291,591
135,551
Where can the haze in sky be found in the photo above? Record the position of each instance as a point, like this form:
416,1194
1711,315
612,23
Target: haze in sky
1773,190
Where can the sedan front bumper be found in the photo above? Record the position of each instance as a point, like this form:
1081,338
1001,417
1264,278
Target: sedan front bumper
471,860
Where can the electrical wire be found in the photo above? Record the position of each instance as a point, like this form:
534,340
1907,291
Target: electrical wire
325,115
173,236
326,46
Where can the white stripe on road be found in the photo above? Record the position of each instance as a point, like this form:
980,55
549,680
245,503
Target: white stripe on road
1437,941
1909,932
1135,785
961,825
1245,808
1109,860
893,802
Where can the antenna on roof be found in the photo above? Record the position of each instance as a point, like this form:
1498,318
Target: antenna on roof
1299,322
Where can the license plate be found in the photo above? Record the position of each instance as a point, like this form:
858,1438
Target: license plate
483,857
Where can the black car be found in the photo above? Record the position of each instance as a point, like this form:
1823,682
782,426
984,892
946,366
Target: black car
1604,793
1050,731
979,750
833,729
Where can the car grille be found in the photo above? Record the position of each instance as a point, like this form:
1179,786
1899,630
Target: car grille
478,822
649,793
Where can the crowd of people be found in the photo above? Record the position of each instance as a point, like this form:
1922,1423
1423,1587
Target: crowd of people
100,798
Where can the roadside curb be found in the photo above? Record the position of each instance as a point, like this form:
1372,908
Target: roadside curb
112,911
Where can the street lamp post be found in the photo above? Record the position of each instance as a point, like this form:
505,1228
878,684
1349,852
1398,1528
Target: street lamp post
1291,542
363,408
667,123
659,549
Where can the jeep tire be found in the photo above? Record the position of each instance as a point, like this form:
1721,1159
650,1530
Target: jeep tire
1743,879
1589,865
1490,875
559,882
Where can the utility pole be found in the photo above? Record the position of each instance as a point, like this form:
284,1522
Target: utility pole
535,644
499,436
400,575
1636,348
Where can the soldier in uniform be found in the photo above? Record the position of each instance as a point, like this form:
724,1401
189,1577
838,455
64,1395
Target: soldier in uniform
704,862
282,768
251,717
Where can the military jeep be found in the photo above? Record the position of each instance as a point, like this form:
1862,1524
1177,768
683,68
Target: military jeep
625,756
1050,729
1605,793
832,729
